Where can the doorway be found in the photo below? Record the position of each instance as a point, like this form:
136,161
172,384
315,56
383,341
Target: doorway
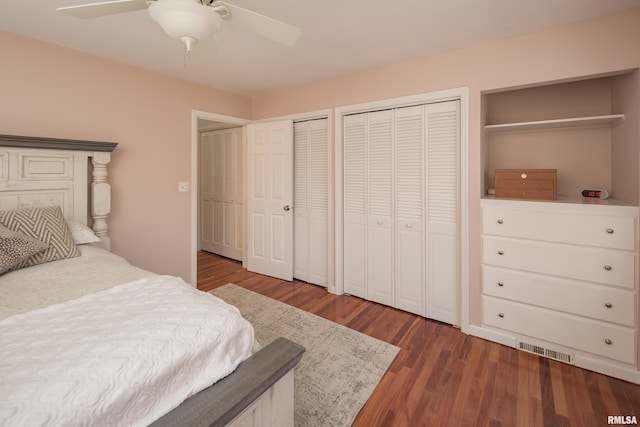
319,271
203,121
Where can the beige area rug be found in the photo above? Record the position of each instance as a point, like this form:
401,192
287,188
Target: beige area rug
340,368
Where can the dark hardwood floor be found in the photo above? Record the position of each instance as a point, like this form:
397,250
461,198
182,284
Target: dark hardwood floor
442,377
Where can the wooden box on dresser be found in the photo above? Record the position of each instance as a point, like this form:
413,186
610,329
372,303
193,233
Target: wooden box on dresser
560,279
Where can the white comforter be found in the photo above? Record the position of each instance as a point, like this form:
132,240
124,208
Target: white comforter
120,357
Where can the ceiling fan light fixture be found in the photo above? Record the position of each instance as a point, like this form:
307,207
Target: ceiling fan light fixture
186,20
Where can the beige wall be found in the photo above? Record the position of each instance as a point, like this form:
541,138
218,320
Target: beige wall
589,48
51,91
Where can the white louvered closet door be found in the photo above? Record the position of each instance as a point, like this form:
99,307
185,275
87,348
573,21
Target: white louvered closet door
410,198
443,171
401,208
355,205
380,196
311,200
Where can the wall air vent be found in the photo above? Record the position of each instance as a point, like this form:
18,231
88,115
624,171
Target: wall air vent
551,354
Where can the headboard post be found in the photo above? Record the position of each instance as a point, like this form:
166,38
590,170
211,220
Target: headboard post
100,196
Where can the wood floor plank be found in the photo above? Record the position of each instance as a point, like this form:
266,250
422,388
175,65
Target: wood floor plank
442,377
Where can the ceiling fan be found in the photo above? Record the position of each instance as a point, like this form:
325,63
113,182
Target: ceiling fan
192,21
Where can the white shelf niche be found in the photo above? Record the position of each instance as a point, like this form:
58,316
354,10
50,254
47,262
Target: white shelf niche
556,123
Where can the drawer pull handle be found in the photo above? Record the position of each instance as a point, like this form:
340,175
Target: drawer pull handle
499,221
500,252
608,304
608,341
610,230
409,226
501,315
501,284
607,267
380,222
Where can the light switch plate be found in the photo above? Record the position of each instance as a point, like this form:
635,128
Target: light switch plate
183,186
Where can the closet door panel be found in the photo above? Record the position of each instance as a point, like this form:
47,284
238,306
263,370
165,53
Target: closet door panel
409,268
232,193
318,201
380,278
310,204
443,136
443,278
380,171
409,208
301,244
355,230
206,192
355,253
318,252
300,201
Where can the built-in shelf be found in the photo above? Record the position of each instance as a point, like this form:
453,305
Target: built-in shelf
556,123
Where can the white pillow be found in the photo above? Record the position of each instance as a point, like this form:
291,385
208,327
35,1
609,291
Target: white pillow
81,233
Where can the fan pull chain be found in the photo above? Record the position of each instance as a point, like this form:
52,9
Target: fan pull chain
188,42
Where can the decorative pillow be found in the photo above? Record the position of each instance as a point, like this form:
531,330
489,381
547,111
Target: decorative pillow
16,247
45,224
81,233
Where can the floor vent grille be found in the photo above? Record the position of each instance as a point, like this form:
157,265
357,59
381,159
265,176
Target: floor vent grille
551,354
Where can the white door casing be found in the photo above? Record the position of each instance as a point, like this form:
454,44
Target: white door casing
270,199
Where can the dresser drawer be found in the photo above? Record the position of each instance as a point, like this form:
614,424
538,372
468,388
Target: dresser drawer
594,230
517,190
526,183
604,339
598,302
611,267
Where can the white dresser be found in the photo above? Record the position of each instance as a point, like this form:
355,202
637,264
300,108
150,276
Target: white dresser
561,279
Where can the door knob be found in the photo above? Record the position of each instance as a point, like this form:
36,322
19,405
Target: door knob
286,208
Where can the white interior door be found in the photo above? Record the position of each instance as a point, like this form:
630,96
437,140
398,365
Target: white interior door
221,201
270,198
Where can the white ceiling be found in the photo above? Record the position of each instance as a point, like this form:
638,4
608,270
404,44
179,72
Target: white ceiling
339,37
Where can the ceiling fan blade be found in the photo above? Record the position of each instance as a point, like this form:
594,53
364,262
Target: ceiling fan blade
96,10
270,28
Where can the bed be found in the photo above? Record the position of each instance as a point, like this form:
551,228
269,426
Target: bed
88,339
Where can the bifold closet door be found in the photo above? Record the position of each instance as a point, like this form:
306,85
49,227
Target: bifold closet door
443,207
221,206
311,200
380,170
383,207
355,204
409,209
400,208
